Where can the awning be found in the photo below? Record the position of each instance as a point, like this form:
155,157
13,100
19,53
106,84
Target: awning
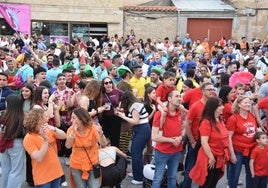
202,5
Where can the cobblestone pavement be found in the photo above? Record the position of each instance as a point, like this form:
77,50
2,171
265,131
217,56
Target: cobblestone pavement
126,182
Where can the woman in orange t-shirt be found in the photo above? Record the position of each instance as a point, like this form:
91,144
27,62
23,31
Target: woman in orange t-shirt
40,143
83,137
242,127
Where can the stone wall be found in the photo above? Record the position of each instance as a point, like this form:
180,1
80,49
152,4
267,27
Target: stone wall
151,24
257,21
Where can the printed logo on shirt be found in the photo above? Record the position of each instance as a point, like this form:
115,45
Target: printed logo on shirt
250,130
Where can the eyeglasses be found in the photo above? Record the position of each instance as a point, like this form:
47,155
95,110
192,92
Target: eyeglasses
110,82
210,90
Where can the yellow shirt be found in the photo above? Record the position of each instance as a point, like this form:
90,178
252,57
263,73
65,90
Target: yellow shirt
138,84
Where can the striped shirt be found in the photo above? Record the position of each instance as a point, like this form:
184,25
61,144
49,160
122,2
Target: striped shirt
141,109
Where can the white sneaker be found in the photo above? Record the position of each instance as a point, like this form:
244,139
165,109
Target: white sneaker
130,174
240,182
135,182
64,184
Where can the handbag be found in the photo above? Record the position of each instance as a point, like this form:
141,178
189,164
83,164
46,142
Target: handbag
96,167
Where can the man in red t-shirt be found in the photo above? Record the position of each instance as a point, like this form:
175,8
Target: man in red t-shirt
168,150
191,127
193,95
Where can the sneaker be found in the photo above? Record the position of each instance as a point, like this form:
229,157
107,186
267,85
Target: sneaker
130,174
240,182
67,161
135,182
64,184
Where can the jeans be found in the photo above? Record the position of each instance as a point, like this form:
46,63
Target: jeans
12,163
52,184
172,162
189,164
141,134
92,182
234,171
260,182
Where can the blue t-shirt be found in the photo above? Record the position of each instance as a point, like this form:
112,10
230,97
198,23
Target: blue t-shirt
185,65
52,75
25,71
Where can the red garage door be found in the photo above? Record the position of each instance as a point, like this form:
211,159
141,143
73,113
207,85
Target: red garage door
214,29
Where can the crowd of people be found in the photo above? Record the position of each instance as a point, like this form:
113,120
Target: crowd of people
178,102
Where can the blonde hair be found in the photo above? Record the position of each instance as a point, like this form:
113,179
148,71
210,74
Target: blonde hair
239,99
34,118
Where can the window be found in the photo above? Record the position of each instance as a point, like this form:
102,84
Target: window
98,30
80,30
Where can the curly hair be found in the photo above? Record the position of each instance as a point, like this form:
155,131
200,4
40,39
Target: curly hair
34,118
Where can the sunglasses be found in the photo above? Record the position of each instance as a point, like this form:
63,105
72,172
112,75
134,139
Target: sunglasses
110,82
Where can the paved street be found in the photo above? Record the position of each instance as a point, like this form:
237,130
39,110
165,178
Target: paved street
126,183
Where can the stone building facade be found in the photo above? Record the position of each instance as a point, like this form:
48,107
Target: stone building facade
251,18
151,22
157,18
